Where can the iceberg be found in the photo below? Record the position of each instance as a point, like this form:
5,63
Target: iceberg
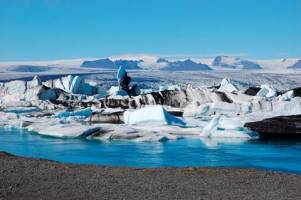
69,84
227,86
266,91
115,91
211,126
8,119
287,96
56,128
121,73
36,81
220,127
152,114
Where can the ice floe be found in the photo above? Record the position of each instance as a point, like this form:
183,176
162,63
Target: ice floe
152,114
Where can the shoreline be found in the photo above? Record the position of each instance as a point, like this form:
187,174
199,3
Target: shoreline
29,178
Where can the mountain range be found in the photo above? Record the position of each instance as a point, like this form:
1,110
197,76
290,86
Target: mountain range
147,62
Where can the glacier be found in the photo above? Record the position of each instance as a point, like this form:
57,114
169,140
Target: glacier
73,107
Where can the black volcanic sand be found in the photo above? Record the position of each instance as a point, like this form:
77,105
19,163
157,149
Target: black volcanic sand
25,178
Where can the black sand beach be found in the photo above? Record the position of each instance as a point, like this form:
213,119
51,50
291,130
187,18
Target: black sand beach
25,178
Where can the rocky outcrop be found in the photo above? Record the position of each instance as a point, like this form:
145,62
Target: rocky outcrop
282,126
252,91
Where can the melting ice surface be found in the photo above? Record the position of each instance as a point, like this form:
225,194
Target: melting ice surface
277,155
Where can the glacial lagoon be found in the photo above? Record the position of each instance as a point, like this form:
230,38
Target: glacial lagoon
277,154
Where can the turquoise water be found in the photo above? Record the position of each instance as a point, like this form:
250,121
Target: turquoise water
280,155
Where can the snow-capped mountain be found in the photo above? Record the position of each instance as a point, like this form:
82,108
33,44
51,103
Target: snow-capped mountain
147,61
296,65
151,62
186,65
109,64
280,64
234,63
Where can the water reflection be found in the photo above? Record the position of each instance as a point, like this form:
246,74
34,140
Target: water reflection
272,154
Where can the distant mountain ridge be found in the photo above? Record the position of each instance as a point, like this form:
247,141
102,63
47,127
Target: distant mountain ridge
234,63
109,64
296,65
151,62
186,65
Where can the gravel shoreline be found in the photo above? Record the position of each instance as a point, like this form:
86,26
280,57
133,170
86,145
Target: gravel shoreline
26,178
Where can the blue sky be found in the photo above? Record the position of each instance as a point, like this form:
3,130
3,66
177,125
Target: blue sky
57,29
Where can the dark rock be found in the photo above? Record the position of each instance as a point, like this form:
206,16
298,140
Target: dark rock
282,126
297,92
223,97
252,91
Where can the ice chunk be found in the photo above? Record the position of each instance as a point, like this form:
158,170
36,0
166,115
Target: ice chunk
227,128
171,87
115,91
9,119
227,86
50,94
266,91
162,88
36,81
146,91
121,73
55,128
211,126
84,113
229,109
70,84
287,96
174,87
152,114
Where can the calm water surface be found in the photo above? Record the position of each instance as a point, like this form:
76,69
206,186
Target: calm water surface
281,155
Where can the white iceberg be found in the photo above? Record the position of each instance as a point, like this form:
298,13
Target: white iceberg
36,81
56,128
287,96
115,91
70,84
227,86
266,91
152,114
219,127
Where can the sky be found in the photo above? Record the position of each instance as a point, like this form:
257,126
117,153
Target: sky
65,29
